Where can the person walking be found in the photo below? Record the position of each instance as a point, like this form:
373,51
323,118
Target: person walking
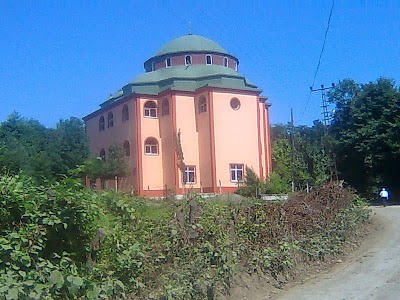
384,196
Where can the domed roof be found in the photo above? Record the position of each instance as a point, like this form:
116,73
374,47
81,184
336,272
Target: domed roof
191,43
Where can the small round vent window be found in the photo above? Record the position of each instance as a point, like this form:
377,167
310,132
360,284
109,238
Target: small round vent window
235,103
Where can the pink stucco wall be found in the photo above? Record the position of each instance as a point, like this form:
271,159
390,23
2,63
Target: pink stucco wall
186,124
211,140
236,135
204,143
167,140
115,135
151,172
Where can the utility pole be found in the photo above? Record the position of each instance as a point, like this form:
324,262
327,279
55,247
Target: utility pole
326,118
292,146
325,113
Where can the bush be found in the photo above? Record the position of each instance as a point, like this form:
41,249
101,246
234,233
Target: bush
50,247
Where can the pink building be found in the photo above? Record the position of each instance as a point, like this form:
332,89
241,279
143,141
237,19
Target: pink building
191,89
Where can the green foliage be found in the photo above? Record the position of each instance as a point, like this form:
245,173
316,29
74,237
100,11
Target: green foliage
366,127
277,185
253,186
43,242
42,153
309,163
115,165
189,249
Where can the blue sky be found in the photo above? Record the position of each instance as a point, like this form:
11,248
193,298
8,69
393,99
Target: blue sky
63,58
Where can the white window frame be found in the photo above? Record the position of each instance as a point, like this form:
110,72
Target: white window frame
189,170
235,169
168,65
211,60
150,112
190,60
153,66
151,149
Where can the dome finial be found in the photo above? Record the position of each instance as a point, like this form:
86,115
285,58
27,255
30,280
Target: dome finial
190,28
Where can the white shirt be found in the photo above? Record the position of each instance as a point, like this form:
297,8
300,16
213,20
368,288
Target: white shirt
384,194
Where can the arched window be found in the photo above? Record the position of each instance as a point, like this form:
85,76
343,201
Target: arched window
103,154
110,119
127,148
151,146
125,113
102,124
188,60
165,107
153,66
150,109
208,59
225,62
202,105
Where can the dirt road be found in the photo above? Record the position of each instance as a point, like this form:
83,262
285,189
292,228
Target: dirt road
372,272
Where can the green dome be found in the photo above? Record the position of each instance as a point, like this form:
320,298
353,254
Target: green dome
191,43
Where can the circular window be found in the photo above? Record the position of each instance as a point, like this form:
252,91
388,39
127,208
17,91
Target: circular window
235,103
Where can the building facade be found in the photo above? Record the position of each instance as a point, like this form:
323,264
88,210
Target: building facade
191,122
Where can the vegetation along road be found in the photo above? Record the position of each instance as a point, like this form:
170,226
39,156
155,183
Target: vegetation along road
372,272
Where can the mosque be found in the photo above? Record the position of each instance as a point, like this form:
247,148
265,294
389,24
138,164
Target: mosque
191,122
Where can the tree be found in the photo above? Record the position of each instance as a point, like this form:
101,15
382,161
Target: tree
24,144
253,186
366,127
72,143
42,153
309,164
113,167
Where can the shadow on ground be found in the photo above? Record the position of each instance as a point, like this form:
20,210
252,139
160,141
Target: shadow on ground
378,203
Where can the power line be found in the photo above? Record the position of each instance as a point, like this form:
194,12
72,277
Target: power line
319,59
323,45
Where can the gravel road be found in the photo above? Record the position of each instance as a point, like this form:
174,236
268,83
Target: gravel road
372,272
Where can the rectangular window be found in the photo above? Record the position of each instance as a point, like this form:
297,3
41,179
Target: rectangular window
189,176
237,171
168,62
188,60
208,59
151,149
150,112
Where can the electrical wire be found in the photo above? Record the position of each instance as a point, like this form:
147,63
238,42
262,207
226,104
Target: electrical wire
319,59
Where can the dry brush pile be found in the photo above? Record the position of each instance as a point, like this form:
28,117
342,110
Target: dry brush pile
308,227
142,249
